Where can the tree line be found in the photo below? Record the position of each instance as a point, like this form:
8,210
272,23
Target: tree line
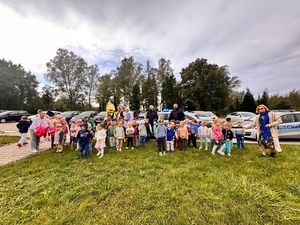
75,85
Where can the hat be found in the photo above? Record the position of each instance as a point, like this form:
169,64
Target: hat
155,121
85,125
73,119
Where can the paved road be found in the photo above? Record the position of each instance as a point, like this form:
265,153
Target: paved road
12,152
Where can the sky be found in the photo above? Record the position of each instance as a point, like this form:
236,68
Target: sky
258,40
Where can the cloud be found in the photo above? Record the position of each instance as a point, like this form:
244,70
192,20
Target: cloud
258,40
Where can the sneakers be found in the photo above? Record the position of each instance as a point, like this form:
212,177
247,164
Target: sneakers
160,153
25,143
132,147
201,148
228,154
100,156
220,152
99,153
40,149
126,148
164,152
273,155
19,145
34,151
120,149
206,149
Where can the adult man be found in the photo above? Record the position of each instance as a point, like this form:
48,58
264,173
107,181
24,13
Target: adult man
151,115
176,114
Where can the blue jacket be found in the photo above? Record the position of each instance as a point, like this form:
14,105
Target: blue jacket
161,131
170,134
194,129
84,137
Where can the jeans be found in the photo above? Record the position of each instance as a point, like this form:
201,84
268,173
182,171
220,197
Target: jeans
72,140
84,149
142,140
240,141
112,142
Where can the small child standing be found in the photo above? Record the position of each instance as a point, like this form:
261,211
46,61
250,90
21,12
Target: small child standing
58,138
73,132
228,136
142,134
100,137
136,132
110,133
90,129
154,128
194,133
23,127
170,137
119,135
218,135
129,134
203,134
78,126
148,129
51,133
239,134
83,137
65,127
183,136
161,134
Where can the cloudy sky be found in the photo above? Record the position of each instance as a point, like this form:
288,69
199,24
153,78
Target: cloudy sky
258,40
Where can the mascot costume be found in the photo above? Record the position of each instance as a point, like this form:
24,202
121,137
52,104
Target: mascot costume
110,114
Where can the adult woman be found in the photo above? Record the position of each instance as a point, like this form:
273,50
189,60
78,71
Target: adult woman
267,134
39,121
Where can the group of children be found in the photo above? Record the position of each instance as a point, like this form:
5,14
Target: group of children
170,136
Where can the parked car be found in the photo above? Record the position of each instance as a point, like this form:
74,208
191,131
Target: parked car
289,129
12,115
245,122
235,116
142,115
188,115
208,116
67,115
100,117
90,114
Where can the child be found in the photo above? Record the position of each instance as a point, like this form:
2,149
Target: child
239,134
23,126
51,132
100,137
135,126
78,126
129,134
148,129
161,134
203,134
65,127
177,140
142,134
218,135
228,136
170,137
183,136
73,132
58,138
83,137
110,133
119,135
93,135
194,133
187,125
154,127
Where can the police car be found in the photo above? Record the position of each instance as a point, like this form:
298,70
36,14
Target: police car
289,129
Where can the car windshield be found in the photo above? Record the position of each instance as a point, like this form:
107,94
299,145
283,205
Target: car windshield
66,113
86,113
251,119
102,113
248,114
4,113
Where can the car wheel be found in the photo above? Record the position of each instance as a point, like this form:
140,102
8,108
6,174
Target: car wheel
3,120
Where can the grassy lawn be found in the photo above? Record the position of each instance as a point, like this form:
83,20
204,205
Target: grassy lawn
4,140
139,187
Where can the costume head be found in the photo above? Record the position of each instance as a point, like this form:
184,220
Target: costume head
110,109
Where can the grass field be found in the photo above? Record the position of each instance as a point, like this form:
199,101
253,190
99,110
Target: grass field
139,187
8,139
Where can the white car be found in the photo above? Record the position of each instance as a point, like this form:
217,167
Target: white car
289,129
188,115
235,116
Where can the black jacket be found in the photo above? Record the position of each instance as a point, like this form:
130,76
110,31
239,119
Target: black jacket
177,114
23,126
152,115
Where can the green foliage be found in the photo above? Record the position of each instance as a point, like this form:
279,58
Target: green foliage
135,98
248,103
139,187
4,140
207,84
170,92
18,87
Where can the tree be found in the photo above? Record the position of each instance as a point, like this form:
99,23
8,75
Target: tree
18,88
294,99
66,70
207,86
170,92
248,103
105,91
91,78
128,74
135,98
48,95
264,99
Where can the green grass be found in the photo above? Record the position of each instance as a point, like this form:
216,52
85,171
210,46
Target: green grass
140,187
4,140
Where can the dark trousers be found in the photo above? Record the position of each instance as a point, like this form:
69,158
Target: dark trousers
193,139
130,140
161,144
183,142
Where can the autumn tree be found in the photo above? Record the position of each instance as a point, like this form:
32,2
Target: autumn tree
66,71
248,103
